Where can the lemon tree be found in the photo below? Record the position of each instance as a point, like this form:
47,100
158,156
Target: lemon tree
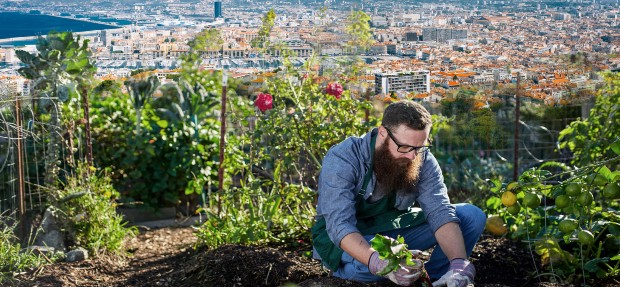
585,199
571,210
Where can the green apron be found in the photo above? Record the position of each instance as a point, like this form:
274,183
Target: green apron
372,218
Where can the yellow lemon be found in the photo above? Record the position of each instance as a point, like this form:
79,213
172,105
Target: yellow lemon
509,198
495,225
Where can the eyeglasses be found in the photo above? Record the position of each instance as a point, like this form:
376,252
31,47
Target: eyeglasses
403,148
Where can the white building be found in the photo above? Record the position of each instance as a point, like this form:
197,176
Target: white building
412,81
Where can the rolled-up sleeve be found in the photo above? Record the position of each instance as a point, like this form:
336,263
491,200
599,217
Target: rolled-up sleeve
433,195
336,201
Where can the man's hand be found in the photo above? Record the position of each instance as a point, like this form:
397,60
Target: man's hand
404,275
460,274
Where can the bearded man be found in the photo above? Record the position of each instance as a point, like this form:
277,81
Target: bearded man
370,185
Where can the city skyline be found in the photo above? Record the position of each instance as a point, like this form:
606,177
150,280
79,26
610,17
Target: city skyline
460,43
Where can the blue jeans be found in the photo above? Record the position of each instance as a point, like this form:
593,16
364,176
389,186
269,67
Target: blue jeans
421,237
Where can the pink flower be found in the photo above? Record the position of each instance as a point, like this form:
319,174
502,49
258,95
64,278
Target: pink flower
334,89
264,102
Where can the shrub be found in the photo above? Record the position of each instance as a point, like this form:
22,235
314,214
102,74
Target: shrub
87,210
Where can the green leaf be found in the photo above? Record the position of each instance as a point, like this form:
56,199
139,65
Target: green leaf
497,185
162,124
616,147
494,202
604,171
614,228
592,265
393,250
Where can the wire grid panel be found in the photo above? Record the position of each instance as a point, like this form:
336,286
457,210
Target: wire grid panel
29,132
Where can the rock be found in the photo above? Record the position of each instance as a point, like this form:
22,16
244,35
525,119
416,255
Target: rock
49,233
78,254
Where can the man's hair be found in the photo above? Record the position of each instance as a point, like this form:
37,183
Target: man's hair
408,113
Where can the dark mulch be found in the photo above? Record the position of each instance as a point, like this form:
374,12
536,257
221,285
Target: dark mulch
166,257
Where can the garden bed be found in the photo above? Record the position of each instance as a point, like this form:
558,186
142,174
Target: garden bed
166,257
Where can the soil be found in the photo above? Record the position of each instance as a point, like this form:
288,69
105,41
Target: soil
167,257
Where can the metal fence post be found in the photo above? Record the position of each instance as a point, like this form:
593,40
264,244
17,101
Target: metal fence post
20,171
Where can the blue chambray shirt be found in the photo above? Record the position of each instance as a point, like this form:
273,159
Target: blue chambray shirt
342,176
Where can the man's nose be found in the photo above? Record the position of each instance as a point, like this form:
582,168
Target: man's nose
410,155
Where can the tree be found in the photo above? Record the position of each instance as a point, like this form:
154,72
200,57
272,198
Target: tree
360,39
59,67
359,31
262,41
207,39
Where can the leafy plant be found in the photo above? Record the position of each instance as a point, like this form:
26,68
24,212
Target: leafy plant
173,157
87,209
395,252
574,223
274,147
14,259
261,212
141,88
207,39
268,21
59,67
571,212
591,139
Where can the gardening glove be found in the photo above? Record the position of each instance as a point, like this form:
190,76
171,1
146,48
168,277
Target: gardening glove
404,275
460,274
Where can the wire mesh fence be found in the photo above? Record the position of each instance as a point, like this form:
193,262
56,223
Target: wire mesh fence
27,135
28,152
21,148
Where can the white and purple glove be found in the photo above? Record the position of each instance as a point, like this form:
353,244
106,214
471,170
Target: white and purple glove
460,274
404,275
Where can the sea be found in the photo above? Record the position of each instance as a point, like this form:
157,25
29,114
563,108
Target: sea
16,25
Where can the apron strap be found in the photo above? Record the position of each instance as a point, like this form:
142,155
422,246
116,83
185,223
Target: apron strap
368,175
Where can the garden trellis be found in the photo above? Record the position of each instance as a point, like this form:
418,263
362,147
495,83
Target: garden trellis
24,140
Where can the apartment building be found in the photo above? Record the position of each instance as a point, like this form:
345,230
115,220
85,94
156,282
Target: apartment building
403,82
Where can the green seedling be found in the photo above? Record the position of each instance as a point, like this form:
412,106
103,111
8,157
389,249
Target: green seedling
395,252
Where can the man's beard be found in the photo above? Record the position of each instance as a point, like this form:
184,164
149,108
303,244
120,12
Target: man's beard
396,173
